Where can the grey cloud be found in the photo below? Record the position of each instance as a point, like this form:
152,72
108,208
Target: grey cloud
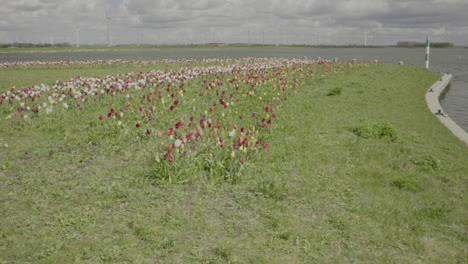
30,7
293,21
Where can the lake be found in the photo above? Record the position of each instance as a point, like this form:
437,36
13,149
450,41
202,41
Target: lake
454,60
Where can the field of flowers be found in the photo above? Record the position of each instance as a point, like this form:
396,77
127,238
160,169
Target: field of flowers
213,119
24,64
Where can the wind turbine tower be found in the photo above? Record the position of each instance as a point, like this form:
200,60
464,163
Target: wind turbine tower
365,38
77,37
263,37
108,18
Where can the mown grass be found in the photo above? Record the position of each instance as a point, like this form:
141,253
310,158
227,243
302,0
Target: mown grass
363,175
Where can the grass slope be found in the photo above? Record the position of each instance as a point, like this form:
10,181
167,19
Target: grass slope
357,171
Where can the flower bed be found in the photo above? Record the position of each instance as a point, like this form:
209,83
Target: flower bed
220,114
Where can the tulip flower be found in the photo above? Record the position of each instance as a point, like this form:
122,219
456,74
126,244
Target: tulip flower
169,157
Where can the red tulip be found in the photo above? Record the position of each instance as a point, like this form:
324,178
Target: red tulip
101,117
169,157
170,147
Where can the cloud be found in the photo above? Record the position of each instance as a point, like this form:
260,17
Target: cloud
276,21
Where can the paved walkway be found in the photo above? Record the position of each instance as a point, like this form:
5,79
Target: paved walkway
432,100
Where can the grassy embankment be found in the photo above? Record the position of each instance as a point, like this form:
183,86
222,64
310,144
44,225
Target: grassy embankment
357,170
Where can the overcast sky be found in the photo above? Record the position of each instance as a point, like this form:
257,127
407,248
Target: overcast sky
234,21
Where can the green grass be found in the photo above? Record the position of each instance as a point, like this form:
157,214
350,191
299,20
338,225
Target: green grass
366,175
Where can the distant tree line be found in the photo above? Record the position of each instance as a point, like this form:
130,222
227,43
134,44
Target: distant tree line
31,45
410,44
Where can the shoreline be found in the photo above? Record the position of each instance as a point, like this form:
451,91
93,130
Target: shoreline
433,103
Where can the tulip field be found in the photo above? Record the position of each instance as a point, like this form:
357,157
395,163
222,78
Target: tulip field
216,117
232,160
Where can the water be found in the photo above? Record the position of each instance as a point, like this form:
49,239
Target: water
455,61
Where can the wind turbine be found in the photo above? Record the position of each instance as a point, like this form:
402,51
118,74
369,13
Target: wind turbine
138,38
365,38
108,18
77,37
263,38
